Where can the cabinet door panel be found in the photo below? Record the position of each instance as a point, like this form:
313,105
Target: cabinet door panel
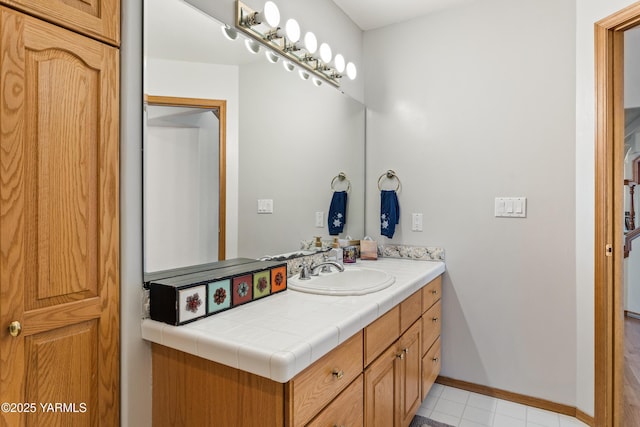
410,380
96,18
380,392
59,233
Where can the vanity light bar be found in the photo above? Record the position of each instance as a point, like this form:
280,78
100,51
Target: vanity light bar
275,39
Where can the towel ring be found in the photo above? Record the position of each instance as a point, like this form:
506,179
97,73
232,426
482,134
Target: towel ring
389,175
340,177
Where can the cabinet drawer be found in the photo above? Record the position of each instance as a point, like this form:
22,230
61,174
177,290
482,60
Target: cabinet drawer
313,388
410,310
431,293
381,334
430,367
431,322
346,410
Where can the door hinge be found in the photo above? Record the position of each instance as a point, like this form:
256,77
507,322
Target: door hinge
608,250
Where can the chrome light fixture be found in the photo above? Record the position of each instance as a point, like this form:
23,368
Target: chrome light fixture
319,63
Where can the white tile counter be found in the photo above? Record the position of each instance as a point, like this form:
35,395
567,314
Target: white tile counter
279,336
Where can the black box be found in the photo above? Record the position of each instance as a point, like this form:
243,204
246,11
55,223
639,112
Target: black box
200,291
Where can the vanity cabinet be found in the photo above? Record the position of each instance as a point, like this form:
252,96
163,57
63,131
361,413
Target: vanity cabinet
378,377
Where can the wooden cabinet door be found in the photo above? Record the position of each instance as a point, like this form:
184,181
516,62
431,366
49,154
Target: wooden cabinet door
409,375
381,396
96,18
59,243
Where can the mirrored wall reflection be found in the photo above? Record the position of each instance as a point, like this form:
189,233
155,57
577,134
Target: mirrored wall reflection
286,138
180,193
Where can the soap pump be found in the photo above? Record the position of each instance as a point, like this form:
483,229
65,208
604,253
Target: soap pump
337,250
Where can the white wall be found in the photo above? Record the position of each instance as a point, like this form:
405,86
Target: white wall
180,192
292,130
193,80
135,354
631,68
466,105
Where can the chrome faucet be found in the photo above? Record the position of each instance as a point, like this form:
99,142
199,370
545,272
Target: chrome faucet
307,271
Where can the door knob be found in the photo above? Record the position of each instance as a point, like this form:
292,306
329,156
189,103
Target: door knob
15,328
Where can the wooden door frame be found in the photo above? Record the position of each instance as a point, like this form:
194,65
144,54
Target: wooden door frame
609,198
221,106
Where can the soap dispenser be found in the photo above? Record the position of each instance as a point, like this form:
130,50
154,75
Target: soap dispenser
337,250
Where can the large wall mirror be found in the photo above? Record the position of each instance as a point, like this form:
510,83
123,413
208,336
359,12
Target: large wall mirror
286,141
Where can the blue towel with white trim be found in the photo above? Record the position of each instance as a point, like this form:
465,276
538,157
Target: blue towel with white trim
389,212
337,213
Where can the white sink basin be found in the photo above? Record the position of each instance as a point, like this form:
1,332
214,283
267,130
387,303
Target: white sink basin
352,281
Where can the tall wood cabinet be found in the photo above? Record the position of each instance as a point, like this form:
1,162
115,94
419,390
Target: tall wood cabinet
59,224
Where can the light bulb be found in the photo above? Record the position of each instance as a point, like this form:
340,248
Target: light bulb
271,14
271,57
303,74
252,46
310,42
229,32
325,53
288,65
338,61
351,71
317,82
292,30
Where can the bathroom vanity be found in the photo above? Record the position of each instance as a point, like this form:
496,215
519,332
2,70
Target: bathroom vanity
300,359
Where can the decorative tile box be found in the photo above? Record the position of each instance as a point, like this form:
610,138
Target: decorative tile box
183,295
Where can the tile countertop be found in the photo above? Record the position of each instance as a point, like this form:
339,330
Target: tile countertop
279,336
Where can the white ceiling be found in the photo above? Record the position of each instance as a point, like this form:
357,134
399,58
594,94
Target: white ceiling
372,14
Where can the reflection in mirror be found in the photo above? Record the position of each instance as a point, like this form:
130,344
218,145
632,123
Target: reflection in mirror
290,137
184,151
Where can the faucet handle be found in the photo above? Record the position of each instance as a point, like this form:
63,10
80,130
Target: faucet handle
305,270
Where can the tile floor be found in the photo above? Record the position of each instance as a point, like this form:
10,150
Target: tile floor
466,409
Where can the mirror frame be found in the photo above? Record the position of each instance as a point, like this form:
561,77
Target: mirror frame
219,105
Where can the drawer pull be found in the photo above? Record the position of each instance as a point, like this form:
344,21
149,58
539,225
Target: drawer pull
435,360
338,374
435,320
405,351
400,356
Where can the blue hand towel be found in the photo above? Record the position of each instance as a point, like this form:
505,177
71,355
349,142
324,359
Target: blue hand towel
337,212
389,212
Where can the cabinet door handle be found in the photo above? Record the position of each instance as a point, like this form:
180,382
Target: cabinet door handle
338,374
434,292
435,320
336,425
435,360
400,356
405,351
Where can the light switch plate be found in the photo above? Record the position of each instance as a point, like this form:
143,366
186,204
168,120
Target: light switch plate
265,206
319,219
416,222
511,207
